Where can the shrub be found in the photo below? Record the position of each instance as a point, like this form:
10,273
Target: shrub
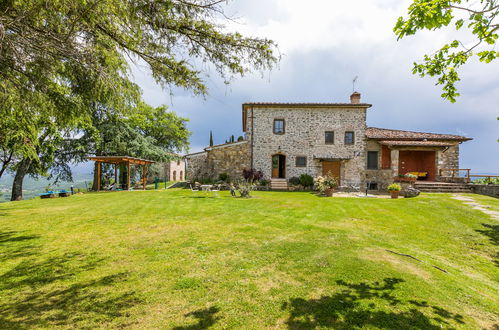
244,188
252,175
487,180
394,187
223,177
264,182
294,181
306,180
411,176
325,182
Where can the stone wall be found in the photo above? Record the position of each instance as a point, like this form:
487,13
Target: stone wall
196,166
304,136
486,189
448,158
231,159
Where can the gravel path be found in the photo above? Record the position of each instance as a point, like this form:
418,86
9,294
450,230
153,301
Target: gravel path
477,206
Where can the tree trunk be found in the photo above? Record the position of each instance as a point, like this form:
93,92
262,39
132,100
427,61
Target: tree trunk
17,185
94,183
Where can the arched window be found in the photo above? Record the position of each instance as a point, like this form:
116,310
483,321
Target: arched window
174,175
181,175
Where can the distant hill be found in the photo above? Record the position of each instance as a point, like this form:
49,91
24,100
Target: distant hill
82,177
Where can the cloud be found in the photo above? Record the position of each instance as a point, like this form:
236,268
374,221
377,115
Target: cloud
325,44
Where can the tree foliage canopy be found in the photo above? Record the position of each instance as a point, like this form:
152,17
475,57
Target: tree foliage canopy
480,18
63,60
41,39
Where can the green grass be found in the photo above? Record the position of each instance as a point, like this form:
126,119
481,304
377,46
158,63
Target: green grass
161,185
174,259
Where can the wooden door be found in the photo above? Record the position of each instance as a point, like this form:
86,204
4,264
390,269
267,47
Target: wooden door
332,167
278,166
275,166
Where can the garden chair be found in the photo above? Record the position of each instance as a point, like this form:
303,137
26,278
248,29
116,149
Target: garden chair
194,189
216,189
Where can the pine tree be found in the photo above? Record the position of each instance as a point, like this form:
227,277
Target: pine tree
211,138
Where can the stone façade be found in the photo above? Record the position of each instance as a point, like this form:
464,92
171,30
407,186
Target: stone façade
304,137
305,125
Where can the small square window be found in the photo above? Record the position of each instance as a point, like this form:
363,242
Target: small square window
329,137
372,186
349,138
278,126
301,161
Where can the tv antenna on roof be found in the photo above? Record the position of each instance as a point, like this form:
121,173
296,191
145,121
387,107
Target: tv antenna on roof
353,83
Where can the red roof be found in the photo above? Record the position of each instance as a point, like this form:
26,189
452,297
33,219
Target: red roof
417,143
392,134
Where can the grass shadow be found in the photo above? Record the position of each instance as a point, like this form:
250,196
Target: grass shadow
13,245
492,232
57,291
206,318
358,305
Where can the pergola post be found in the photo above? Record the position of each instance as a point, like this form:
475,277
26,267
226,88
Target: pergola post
115,176
144,177
99,164
128,175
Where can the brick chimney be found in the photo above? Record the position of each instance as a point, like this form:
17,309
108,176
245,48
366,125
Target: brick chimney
355,98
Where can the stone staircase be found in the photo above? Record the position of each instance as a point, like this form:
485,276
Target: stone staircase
279,184
442,187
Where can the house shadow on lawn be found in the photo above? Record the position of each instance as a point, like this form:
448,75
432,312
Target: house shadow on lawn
50,293
357,305
206,318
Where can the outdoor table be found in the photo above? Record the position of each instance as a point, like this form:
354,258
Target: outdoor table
206,187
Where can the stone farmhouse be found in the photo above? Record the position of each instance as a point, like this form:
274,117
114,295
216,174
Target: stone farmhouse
173,170
285,140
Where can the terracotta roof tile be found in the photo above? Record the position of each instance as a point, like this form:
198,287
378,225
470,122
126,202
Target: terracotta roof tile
392,134
305,104
417,143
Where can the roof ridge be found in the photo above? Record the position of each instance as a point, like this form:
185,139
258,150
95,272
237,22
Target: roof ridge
419,132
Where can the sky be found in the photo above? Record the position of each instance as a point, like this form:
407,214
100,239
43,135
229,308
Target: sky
326,43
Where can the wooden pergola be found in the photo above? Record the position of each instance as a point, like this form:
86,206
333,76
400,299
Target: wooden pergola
118,160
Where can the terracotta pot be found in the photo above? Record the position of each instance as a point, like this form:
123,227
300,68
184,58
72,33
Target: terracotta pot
395,193
329,192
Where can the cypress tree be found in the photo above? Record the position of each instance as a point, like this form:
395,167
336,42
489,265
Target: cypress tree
211,138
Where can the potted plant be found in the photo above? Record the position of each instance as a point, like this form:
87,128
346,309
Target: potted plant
326,184
394,190
411,178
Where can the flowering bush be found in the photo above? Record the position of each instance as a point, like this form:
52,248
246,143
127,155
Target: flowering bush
411,176
322,183
394,187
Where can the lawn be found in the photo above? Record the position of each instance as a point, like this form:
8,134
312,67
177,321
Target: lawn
175,259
